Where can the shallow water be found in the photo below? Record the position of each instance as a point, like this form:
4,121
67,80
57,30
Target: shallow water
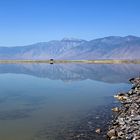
51,102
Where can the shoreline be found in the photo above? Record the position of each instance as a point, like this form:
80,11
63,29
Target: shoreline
104,61
126,125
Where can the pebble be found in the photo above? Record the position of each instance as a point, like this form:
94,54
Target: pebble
111,133
116,109
98,130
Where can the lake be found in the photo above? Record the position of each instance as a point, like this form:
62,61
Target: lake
59,101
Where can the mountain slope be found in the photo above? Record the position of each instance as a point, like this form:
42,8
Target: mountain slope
113,47
107,48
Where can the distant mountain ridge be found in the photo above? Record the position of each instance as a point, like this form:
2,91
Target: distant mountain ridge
112,47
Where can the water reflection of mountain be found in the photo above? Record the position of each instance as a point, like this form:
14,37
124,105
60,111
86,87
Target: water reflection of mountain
111,73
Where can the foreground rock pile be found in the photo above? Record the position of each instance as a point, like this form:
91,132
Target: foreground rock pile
126,125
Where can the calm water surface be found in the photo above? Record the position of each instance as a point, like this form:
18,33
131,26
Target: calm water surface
47,102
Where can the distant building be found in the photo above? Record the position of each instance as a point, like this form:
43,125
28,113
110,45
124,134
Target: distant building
51,61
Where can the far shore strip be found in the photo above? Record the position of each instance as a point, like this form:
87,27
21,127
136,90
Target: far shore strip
105,61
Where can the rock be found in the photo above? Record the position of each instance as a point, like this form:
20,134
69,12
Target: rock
136,118
126,124
129,137
113,138
116,109
132,80
121,121
98,130
97,117
121,98
120,134
111,133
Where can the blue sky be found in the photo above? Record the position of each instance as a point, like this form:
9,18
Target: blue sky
29,21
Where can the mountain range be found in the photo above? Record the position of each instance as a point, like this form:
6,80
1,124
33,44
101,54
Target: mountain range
112,47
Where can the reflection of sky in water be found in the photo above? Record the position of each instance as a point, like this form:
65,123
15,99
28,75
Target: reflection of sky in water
31,106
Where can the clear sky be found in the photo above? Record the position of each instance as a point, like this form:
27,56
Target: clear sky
30,21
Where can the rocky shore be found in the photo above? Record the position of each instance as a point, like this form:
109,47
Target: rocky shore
126,125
